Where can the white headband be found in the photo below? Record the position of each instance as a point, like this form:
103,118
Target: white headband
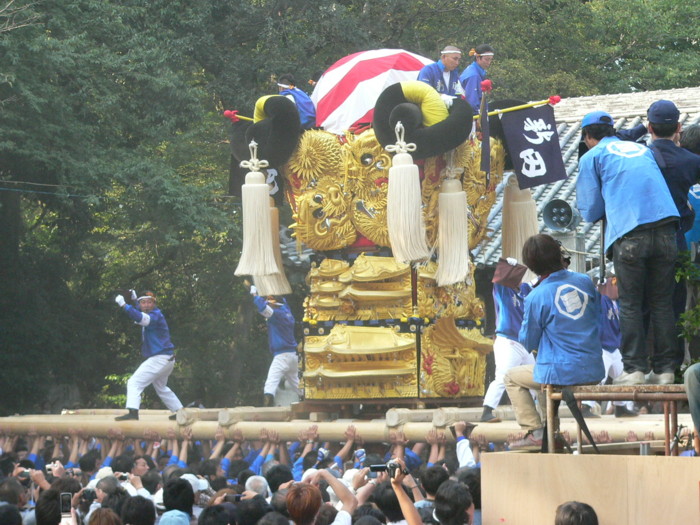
489,54
285,86
450,52
145,297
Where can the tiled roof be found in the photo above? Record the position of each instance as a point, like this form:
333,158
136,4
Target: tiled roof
628,110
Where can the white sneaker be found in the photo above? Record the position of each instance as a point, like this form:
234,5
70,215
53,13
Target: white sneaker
630,378
664,378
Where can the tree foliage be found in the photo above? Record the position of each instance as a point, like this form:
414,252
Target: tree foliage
114,158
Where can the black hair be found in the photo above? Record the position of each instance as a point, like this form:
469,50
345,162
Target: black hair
542,254
116,500
370,511
690,139
251,510
178,495
48,508
273,518
433,478
278,475
10,515
10,491
138,510
664,130
279,502
218,483
452,502
151,480
575,513
88,462
214,515
326,515
208,468
287,78
385,498
237,466
598,131
483,48
310,460
471,477
123,463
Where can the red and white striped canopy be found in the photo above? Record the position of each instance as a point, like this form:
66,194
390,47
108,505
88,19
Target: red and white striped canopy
347,92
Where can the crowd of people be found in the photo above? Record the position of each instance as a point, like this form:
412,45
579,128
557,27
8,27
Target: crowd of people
47,480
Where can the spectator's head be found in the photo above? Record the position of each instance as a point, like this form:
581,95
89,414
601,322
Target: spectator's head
278,475
140,466
138,511
71,485
367,520
596,125
174,517
152,481
243,476
542,254
251,510
453,504
105,486
575,513
279,501
116,500
10,515
90,461
209,469
663,118
274,518
258,484
268,465
303,502
12,492
388,503
450,57
471,477
123,464
368,510
104,516
433,478
483,55
690,139
237,467
326,515
178,495
214,515
48,508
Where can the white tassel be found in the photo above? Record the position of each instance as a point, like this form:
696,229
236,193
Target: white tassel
519,221
404,204
257,257
276,283
453,234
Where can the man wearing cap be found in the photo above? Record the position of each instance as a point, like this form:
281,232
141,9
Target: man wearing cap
443,74
681,170
307,110
475,73
158,350
620,181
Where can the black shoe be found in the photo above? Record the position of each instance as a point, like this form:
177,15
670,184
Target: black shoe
269,400
173,416
487,416
623,411
132,414
586,412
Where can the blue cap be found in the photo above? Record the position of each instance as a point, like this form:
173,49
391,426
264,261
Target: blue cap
597,117
663,112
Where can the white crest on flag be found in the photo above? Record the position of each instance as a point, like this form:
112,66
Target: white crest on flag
540,128
533,163
571,301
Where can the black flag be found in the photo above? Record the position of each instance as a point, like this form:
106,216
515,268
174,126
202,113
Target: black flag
533,145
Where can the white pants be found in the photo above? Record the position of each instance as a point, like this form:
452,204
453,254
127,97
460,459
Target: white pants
508,354
612,362
153,371
283,365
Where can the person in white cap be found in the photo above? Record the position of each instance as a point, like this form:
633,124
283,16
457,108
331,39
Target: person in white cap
158,350
443,74
474,73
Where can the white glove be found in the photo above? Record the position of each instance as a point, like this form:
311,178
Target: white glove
134,296
253,290
511,261
447,99
119,299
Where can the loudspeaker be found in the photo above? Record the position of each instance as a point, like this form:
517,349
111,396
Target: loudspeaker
559,216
